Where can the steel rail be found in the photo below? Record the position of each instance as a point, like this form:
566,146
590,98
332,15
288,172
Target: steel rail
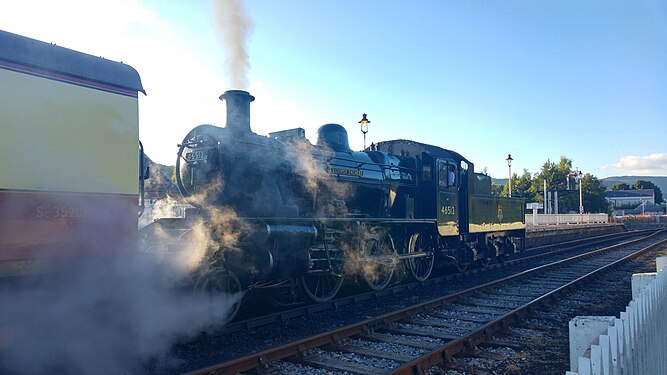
484,333
439,355
249,325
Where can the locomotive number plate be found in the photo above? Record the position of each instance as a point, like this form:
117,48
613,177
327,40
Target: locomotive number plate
198,155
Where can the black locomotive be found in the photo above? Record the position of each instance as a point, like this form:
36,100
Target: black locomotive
299,218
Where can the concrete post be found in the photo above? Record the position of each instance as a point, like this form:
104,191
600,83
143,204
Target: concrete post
556,202
583,331
635,343
545,197
660,263
640,281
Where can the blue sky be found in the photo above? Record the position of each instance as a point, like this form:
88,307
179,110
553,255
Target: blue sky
584,79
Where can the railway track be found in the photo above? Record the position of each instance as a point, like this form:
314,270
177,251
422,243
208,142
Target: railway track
531,255
416,338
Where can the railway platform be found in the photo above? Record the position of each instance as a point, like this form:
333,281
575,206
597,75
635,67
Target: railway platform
549,234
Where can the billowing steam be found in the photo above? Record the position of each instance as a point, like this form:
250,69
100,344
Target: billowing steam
234,28
107,315
110,314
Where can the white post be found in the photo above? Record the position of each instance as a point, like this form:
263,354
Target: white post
509,182
581,205
626,349
605,352
614,339
640,281
582,331
545,197
660,263
596,360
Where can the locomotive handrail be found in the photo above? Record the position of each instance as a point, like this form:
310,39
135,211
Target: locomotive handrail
361,163
142,178
339,219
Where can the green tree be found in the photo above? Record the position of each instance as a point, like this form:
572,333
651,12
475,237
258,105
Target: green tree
521,186
593,194
497,189
620,186
641,184
555,174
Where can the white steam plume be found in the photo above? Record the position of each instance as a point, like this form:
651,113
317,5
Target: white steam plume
110,315
234,27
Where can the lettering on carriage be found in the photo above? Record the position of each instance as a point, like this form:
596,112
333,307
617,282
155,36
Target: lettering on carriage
348,172
59,212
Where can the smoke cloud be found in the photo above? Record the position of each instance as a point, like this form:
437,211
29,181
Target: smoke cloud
234,28
110,314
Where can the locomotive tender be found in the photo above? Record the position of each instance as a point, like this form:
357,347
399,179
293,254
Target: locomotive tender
305,217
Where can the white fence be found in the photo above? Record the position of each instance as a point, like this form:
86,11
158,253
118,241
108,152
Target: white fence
553,219
636,343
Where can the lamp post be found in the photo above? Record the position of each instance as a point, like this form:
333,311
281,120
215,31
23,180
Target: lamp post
364,127
509,164
581,206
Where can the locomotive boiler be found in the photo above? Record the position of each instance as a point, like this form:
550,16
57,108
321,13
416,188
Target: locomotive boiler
298,219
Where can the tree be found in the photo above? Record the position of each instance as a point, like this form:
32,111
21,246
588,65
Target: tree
555,175
620,186
641,184
521,186
593,194
497,189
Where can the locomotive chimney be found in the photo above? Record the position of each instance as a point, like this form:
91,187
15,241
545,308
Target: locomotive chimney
238,110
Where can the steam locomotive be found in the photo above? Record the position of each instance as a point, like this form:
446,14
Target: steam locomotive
284,215
299,219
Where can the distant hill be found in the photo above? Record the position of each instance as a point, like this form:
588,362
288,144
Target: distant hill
658,181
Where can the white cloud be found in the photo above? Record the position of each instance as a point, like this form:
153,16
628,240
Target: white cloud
653,164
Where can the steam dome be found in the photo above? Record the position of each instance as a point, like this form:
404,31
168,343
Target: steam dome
333,136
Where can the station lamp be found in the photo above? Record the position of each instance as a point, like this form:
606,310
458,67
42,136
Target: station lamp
364,127
509,182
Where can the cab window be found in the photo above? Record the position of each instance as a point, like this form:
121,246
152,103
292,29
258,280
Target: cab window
446,173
